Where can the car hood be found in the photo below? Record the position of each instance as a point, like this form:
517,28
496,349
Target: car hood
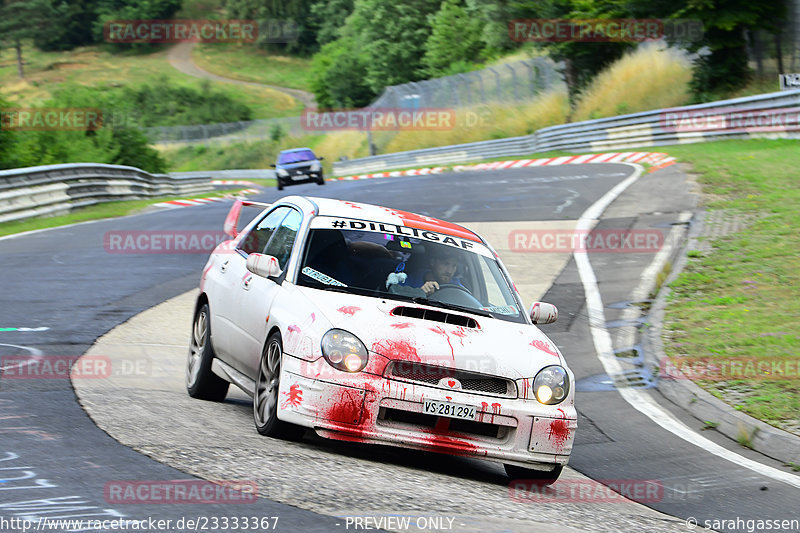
495,347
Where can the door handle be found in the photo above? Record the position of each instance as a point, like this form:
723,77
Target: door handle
224,266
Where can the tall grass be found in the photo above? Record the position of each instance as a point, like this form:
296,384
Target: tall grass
479,123
651,77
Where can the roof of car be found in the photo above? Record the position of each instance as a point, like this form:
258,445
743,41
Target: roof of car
343,208
296,150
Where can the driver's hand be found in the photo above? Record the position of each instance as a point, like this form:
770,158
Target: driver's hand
430,287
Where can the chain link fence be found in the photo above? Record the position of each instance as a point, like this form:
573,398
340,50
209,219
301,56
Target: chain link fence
510,82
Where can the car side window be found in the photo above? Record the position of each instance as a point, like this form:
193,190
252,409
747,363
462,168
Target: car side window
282,240
258,238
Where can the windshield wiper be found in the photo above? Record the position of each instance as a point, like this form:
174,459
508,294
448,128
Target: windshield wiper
454,307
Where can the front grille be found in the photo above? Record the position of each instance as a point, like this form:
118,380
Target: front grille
300,170
470,381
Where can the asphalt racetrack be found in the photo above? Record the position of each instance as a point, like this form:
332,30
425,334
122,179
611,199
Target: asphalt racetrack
65,288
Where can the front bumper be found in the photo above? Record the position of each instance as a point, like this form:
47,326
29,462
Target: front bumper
302,177
374,409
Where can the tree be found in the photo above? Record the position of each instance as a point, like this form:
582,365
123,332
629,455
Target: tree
454,40
583,60
725,22
330,18
338,76
26,19
74,28
392,37
111,10
296,15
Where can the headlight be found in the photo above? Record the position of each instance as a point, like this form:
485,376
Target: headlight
551,385
315,167
344,351
282,172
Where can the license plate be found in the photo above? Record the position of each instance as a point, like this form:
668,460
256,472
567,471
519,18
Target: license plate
299,177
448,409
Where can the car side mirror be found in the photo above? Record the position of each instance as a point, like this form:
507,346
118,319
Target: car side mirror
263,265
272,165
543,313
320,158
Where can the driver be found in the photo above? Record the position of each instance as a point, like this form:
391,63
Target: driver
444,263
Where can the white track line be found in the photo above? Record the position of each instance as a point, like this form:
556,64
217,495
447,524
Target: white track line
638,399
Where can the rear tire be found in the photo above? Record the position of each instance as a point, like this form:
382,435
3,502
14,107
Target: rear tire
265,400
201,382
538,476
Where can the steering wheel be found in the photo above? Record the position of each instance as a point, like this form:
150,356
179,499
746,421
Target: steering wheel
454,294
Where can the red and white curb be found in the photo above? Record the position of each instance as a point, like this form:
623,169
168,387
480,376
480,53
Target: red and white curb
658,160
394,174
203,201
235,182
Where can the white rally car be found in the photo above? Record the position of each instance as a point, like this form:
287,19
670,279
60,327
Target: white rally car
316,309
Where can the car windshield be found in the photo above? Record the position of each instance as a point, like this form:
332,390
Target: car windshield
296,157
378,261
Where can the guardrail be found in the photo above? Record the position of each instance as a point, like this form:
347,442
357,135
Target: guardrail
774,115
57,189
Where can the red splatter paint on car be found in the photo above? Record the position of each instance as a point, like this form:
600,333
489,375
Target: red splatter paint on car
495,410
346,408
460,333
440,330
543,346
295,396
349,310
396,349
401,325
559,432
484,408
294,328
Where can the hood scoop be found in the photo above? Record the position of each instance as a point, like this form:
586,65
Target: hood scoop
435,316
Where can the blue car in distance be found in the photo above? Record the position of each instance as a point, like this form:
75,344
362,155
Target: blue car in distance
298,165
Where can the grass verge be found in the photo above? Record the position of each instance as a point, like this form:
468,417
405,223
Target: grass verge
247,62
740,300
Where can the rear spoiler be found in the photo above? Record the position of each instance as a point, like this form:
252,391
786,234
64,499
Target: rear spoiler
232,220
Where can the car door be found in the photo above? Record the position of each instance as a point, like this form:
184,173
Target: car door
230,277
256,294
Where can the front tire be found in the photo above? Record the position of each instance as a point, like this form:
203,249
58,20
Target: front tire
321,180
280,184
201,382
539,477
265,400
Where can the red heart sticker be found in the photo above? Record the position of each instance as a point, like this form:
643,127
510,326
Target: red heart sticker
451,383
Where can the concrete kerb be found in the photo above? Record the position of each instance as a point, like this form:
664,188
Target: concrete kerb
763,438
